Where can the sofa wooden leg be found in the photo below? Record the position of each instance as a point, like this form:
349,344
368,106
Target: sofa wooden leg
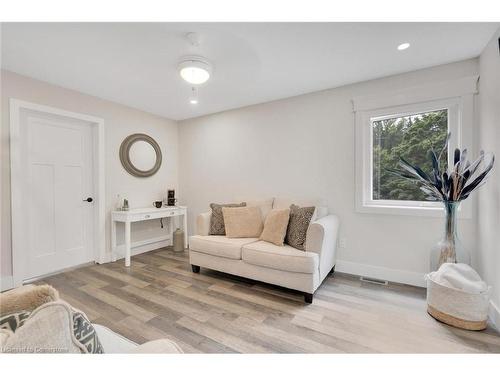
308,297
196,269
332,271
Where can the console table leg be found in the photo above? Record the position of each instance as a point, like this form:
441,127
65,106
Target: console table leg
185,228
113,240
127,244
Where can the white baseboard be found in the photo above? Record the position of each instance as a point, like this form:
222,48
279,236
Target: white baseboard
6,283
382,273
140,247
494,315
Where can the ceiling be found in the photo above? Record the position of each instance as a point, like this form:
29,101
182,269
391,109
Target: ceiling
136,63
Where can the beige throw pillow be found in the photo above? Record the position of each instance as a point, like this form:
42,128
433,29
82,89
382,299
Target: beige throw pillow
275,226
217,227
242,221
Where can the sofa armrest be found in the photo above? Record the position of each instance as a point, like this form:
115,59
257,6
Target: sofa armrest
203,224
321,238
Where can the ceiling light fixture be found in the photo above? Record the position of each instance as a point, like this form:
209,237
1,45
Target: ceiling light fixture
403,46
195,70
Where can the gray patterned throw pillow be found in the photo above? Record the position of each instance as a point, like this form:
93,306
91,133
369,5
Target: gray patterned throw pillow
300,217
85,333
14,321
217,219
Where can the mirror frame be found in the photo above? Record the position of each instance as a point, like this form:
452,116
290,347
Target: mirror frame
125,155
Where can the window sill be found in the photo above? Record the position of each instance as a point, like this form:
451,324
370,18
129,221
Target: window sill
433,211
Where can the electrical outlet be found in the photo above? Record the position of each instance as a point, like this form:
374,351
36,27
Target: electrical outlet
342,243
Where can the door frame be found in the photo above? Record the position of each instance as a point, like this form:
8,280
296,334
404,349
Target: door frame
17,182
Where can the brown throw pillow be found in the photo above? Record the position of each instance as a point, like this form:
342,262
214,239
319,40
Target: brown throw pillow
217,220
242,222
300,217
275,226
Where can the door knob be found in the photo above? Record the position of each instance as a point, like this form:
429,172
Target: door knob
88,200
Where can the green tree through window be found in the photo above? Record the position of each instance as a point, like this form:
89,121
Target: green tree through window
410,137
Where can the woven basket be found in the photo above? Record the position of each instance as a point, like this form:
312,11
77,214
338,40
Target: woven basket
457,308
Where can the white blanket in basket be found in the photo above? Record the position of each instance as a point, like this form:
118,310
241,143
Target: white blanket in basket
459,276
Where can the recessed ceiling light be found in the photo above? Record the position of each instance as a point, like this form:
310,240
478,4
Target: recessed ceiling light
403,46
195,70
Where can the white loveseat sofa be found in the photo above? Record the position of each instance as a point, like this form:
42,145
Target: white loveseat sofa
259,260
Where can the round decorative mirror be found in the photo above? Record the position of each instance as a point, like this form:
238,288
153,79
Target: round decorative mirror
140,155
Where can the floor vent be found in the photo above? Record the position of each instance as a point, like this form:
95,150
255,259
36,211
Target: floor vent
373,281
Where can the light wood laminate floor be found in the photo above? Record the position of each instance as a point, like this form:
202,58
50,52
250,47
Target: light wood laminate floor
212,312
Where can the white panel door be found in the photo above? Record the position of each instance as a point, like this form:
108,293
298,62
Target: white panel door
58,179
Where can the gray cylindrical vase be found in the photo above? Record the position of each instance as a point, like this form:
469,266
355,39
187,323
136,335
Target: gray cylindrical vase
178,240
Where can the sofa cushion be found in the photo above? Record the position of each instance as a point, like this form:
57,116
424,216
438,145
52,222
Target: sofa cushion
242,222
220,246
284,258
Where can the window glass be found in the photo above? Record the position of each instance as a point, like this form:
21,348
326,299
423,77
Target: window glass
411,137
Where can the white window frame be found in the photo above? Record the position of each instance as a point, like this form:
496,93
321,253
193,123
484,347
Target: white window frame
456,97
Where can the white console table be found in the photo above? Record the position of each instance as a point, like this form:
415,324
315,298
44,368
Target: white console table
143,214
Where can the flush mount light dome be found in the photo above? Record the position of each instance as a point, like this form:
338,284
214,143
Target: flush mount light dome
195,70
403,46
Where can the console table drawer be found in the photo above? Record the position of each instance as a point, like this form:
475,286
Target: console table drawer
155,215
132,216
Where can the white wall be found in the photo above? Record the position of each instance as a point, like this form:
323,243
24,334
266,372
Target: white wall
297,147
119,122
489,195
304,147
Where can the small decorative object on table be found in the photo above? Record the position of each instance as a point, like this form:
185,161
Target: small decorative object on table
171,200
450,186
457,296
125,206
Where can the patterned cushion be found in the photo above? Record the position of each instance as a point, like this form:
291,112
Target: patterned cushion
217,227
85,333
300,217
14,321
